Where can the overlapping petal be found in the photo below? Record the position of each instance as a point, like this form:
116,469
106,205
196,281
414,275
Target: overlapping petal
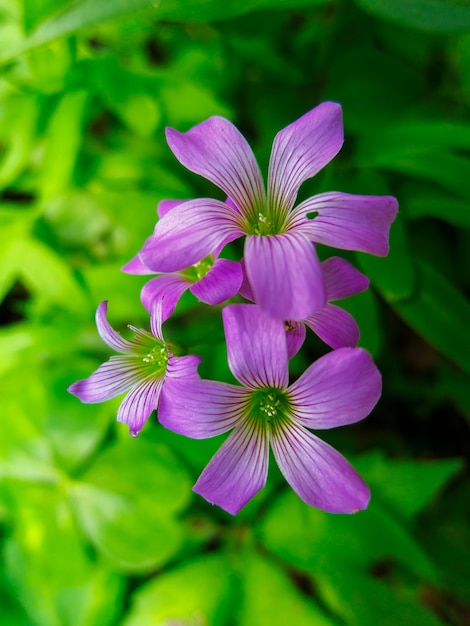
188,233
238,470
348,222
256,347
183,366
317,472
295,336
111,379
218,151
342,279
285,275
201,408
340,388
301,150
168,288
136,267
221,282
335,326
139,403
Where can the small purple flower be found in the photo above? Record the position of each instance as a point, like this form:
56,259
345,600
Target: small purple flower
335,326
281,262
211,280
340,388
146,370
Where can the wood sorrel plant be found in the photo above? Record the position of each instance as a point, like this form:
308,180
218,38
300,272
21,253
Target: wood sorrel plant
281,274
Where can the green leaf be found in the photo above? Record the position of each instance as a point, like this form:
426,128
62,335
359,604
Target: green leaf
127,504
196,592
407,485
90,13
363,307
64,136
440,16
49,567
439,313
394,275
320,541
270,599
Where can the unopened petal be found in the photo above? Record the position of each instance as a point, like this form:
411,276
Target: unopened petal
139,403
342,279
335,326
238,471
188,233
256,346
301,150
220,283
340,388
111,379
285,275
201,408
350,222
216,150
317,472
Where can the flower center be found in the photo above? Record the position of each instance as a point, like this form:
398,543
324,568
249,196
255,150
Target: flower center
157,357
264,224
196,272
270,407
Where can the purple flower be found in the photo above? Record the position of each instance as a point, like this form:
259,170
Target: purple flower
211,280
146,370
340,388
281,262
335,326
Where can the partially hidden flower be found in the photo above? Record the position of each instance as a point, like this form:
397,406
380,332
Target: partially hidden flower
335,326
145,370
340,388
281,262
212,280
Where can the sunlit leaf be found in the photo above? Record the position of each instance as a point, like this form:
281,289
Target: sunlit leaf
198,592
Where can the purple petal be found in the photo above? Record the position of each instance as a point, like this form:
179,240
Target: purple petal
182,367
317,472
168,288
342,279
139,403
334,326
350,222
166,205
238,470
201,408
108,334
216,150
221,282
256,347
295,336
135,266
156,319
340,388
245,287
188,233
111,379
301,150
285,275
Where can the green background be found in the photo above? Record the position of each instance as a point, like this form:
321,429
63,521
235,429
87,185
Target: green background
98,529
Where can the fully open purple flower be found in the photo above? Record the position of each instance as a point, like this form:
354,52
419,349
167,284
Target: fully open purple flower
340,388
145,370
281,262
212,280
335,326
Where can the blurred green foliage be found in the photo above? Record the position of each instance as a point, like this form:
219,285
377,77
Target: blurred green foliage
98,529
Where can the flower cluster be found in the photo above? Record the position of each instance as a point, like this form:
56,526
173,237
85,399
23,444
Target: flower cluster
287,289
